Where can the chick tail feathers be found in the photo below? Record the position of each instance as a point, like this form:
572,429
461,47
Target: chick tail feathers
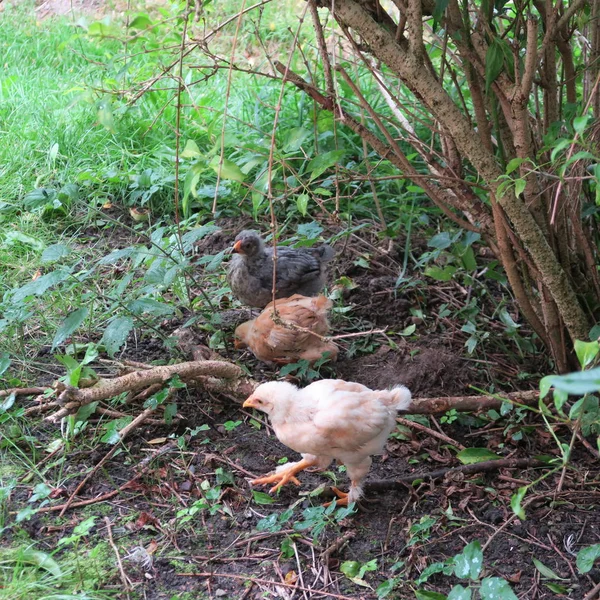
401,396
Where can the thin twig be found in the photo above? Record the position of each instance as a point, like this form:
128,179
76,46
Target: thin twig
431,432
124,578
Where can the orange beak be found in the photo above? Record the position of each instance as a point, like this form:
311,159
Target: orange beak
237,247
238,344
249,403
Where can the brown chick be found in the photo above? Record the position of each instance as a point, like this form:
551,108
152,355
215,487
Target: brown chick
329,419
271,341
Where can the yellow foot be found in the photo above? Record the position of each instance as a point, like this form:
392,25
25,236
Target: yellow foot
284,475
342,497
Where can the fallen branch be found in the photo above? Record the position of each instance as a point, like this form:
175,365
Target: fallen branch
208,373
221,376
432,406
482,467
22,391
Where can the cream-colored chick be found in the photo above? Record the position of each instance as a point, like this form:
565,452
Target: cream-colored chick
288,338
329,419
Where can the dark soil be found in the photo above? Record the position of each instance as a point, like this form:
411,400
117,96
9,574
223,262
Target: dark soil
403,532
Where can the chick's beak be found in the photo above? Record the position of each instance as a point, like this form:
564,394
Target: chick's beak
250,403
237,247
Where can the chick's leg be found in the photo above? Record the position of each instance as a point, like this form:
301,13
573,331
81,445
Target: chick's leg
357,472
285,474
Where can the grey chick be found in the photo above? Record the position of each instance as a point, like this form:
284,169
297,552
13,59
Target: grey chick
299,270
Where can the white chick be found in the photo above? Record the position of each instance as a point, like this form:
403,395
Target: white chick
329,419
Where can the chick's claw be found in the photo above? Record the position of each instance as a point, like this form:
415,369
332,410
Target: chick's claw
342,497
284,475
280,478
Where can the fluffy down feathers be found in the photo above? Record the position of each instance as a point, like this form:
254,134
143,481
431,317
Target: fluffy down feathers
299,270
330,419
272,341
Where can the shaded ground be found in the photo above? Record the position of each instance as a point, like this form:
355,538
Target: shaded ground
232,534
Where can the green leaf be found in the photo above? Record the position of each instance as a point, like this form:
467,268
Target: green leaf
408,330
586,352
559,397
582,382
469,562
386,588
116,334
69,325
105,115
319,164
4,362
262,498
192,236
302,203
560,145
515,502
494,63
495,588
85,412
350,568
515,163
13,238
440,274
425,595
37,558
440,241
439,10
55,252
595,330
470,456
295,138
40,285
191,150
458,592
519,186
140,22
557,589
545,385
546,571
39,197
586,558
147,305
580,123
228,169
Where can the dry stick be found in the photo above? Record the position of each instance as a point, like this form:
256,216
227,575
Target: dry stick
593,593
73,398
482,467
89,501
267,582
23,391
271,159
124,577
122,434
431,432
427,406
